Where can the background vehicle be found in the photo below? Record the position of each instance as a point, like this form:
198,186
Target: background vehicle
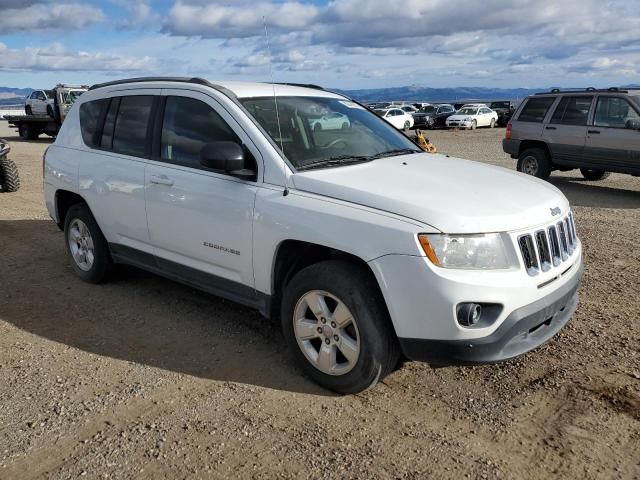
433,116
397,117
9,179
408,108
504,109
597,131
364,245
40,102
46,116
472,116
332,121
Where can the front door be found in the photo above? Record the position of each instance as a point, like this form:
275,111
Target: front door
613,142
200,221
566,132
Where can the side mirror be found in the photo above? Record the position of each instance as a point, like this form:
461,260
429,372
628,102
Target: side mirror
228,157
632,124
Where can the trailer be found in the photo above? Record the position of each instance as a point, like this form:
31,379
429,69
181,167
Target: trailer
30,127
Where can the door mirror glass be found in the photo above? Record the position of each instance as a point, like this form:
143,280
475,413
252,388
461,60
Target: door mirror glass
227,157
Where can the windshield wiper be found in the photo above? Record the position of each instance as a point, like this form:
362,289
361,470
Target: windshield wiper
333,161
391,153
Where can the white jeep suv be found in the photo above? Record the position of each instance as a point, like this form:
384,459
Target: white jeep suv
366,248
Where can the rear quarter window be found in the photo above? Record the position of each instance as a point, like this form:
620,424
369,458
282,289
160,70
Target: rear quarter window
536,109
91,118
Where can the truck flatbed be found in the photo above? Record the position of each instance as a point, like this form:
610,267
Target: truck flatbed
30,126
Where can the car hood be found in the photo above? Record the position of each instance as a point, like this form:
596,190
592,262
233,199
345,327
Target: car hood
449,194
460,117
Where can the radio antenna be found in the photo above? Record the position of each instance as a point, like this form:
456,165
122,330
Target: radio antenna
275,102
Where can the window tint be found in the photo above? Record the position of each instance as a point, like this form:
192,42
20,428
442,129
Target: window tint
188,125
130,132
572,110
109,124
91,118
536,109
615,112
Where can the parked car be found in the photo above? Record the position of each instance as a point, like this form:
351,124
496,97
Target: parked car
504,109
471,117
397,117
332,121
362,245
433,116
9,178
420,105
40,102
410,109
597,131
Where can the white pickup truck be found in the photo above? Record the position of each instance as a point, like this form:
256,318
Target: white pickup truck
368,250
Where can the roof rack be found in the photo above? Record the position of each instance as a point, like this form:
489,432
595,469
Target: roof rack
304,85
588,89
196,80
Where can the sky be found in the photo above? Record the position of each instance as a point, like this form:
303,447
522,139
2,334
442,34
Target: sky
348,44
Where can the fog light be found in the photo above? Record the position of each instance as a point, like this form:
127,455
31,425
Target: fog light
469,314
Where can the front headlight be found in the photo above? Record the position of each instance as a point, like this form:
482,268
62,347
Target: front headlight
474,252
468,119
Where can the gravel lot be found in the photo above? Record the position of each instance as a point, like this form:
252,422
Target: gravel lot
145,378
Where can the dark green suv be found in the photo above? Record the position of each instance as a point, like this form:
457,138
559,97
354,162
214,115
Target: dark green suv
597,131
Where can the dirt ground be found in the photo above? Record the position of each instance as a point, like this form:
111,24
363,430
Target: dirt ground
146,378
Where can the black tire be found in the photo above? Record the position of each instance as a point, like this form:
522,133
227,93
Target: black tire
9,179
28,131
102,264
358,290
27,110
536,162
50,111
594,174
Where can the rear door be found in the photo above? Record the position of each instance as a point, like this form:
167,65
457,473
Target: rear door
200,221
566,131
613,139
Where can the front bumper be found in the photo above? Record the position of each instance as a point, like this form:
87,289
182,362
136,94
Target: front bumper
523,330
459,124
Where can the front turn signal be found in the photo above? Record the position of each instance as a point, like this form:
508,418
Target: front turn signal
428,249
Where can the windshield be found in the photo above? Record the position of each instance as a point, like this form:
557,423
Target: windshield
468,111
319,131
429,109
500,105
48,93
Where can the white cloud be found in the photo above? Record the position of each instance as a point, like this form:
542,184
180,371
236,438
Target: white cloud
37,17
56,58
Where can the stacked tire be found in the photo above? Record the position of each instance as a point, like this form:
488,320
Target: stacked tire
9,179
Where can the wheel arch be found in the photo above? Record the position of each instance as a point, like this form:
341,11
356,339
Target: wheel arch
527,144
64,200
291,256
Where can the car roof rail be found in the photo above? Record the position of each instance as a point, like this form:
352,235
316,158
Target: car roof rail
196,80
304,85
579,90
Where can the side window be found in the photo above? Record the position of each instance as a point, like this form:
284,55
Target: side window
130,132
572,110
536,109
91,118
615,112
189,125
109,124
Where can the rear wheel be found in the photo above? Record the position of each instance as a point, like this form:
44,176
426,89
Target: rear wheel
9,179
535,162
27,131
86,246
337,326
594,174
50,111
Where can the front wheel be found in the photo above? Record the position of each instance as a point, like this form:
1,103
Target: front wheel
535,162
337,326
493,123
407,125
86,246
594,174
28,110
474,125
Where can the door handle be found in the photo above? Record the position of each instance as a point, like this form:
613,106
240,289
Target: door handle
593,131
161,180
549,128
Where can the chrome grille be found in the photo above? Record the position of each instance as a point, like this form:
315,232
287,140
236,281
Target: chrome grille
545,249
